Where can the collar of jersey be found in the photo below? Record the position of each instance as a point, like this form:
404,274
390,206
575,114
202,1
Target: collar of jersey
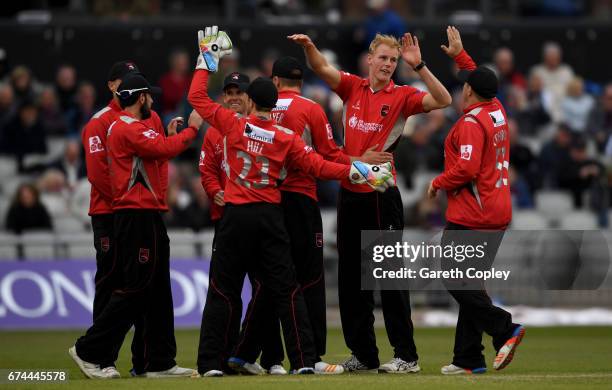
366,83
288,91
479,104
253,118
114,105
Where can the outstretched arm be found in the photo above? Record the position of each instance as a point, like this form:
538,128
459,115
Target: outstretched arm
317,61
438,96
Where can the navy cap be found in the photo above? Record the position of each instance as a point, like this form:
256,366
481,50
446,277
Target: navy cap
237,79
121,68
288,68
263,92
482,80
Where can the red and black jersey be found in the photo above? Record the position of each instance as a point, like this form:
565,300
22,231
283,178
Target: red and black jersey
256,150
371,118
308,120
212,169
476,158
96,159
137,157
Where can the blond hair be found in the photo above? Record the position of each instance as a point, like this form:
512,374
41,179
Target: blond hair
385,39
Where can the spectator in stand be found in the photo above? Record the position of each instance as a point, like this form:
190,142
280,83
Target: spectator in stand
23,84
582,174
70,164
24,134
519,190
7,105
509,77
381,19
534,113
54,193
26,212
175,83
555,76
83,110
600,119
51,115
576,106
554,156
66,86
522,159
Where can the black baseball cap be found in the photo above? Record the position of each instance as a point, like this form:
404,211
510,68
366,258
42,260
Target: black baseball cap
288,68
237,79
121,68
134,84
482,80
263,92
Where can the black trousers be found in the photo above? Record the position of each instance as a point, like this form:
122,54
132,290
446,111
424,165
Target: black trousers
107,279
305,228
370,211
252,239
477,314
143,292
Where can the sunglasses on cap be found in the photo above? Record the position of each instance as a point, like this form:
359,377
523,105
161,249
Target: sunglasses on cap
126,93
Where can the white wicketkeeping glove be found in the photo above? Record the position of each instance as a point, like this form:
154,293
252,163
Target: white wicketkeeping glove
213,45
379,177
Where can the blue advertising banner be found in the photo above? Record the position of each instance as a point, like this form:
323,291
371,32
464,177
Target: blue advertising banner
59,294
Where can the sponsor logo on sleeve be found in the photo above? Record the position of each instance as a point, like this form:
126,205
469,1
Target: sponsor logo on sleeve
466,152
330,132
95,144
498,118
202,156
308,149
151,134
258,134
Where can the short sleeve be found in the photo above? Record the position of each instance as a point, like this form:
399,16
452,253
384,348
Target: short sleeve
347,83
413,101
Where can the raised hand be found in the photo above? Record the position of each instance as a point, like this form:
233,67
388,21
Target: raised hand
410,50
301,39
455,46
213,45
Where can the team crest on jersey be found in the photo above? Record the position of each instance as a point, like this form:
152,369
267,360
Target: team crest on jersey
498,118
95,144
150,134
258,134
384,110
466,152
143,255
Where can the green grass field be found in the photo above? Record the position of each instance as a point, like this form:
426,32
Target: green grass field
549,358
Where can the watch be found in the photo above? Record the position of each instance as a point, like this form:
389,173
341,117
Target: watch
419,66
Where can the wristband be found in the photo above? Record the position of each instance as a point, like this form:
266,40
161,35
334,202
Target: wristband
419,66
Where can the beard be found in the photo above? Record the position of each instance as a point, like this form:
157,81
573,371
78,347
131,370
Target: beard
145,111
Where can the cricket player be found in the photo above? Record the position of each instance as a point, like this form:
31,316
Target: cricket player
252,237
137,154
212,173
299,201
100,208
475,179
372,110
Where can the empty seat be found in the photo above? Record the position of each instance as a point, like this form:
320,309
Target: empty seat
8,246
68,224
554,203
182,244
528,220
38,245
8,167
579,220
